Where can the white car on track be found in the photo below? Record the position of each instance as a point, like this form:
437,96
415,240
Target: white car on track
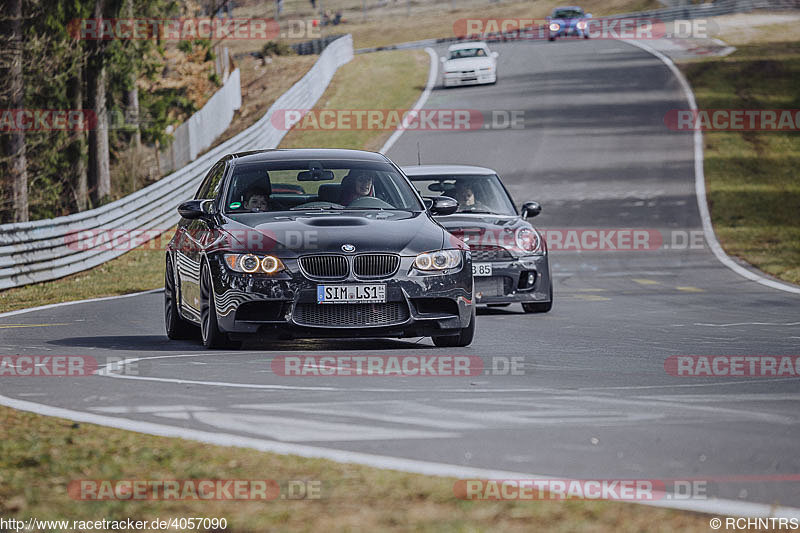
469,63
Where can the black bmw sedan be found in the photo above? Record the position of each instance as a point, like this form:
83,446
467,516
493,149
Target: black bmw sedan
509,256
315,243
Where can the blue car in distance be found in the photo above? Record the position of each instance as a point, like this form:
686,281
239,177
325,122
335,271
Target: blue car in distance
568,21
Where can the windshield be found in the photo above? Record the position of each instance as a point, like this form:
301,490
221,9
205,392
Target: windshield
336,185
467,52
567,13
475,194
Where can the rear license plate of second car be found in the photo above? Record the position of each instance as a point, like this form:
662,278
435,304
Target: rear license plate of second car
350,294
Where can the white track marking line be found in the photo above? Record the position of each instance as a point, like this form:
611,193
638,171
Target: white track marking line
433,74
747,324
687,385
428,468
700,184
74,302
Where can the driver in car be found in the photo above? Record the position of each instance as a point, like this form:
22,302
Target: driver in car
355,187
466,199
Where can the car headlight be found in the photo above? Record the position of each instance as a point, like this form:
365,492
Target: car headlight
581,24
528,240
253,264
486,68
439,260
554,27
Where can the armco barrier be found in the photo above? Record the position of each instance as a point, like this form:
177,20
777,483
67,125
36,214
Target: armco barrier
31,252
205,126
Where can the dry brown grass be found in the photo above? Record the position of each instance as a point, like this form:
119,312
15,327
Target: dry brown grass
39,456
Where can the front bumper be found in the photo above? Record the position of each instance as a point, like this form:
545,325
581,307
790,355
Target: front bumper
508,283
469,78
286,305
568,32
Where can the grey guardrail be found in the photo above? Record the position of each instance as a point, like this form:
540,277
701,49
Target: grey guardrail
42,250
667,14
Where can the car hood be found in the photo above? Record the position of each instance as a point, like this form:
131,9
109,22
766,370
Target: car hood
466,63
483,229
567,22
292,234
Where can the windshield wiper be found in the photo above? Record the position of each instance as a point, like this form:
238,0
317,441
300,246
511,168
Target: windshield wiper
332,208
478,212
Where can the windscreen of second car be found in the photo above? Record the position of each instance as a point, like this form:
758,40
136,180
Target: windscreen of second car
567,14
272,186
475,194
462,53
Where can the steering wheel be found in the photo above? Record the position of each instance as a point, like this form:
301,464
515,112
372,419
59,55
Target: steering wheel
370,201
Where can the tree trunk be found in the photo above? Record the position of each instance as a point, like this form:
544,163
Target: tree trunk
131,95
132,112
77,149
99,166
11,74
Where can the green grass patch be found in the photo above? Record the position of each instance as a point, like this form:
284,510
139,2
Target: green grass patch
40,456
751,177
382,80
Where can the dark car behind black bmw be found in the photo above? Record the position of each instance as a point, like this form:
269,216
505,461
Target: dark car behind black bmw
346,249
509,256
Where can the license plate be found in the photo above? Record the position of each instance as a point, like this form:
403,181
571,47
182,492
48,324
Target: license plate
350,294
481,269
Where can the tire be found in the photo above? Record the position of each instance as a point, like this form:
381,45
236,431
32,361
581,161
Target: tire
543,307
212,336
462,339
177,328
551,39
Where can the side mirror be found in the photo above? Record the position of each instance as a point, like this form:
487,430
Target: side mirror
495,55
443,205
531,209
443,59
194,209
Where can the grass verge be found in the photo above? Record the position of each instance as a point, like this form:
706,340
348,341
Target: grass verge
140,269
751,177
395,81
40,456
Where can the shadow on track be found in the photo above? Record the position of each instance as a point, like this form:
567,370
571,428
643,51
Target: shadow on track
160,343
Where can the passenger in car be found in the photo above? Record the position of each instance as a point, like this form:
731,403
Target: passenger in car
257,199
